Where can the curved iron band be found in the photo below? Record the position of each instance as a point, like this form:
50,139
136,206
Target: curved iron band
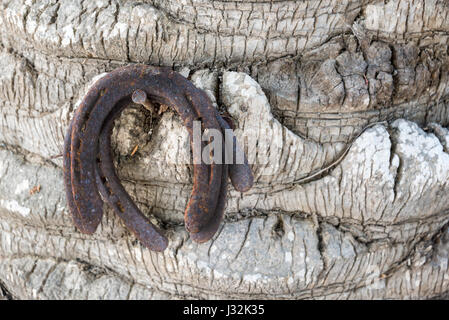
85,223
203,199
84,138
86,205
240,173
241,178
113,192
208,231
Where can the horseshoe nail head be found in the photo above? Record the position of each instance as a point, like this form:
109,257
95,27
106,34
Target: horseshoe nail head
140,97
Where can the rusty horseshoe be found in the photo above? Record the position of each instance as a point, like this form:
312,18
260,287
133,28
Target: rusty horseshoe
89,174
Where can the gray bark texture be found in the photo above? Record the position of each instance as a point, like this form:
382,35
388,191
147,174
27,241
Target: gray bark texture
351,97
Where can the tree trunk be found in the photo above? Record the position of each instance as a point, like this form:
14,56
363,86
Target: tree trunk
349,99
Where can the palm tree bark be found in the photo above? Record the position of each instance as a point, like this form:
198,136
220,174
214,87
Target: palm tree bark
347,99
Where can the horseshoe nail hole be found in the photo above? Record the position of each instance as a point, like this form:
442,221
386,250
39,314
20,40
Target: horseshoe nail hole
85,118
120,207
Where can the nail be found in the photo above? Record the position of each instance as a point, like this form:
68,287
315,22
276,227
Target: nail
140,97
